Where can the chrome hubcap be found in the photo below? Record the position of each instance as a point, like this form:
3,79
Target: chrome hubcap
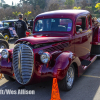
2,47
70,76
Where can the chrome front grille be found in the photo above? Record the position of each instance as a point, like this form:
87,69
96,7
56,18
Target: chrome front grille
23,63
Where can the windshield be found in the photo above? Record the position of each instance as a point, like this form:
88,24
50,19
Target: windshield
8,24
55,24
1,24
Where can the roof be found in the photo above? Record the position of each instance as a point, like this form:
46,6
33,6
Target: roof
12,20
71,12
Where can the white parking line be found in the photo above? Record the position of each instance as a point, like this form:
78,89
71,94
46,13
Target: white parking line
6,86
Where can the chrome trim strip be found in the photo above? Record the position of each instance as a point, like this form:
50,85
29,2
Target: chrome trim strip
19,62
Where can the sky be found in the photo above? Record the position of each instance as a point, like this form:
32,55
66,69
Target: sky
10,1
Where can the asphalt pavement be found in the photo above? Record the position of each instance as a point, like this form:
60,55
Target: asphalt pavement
86,87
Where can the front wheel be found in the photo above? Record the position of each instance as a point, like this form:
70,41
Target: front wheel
4,44
8,78
67,83
6,36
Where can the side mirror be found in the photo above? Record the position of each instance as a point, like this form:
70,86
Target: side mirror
80,30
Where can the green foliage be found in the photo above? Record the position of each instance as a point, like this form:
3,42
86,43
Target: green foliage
96,15
2,1
28,13
76,7
69,3
5,6
53,6
88,7
13,7
97,6
41,3
16,13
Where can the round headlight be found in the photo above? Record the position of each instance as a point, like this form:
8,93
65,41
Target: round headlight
5,53
45,57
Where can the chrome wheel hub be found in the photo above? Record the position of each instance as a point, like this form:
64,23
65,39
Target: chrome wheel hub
2,47
70,76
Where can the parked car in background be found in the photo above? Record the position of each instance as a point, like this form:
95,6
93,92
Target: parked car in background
1,24
64,45
3,43
8,29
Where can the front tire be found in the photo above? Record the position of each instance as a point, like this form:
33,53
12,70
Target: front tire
8,78
4,44
67,83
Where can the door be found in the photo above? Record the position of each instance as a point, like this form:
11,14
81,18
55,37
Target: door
83,37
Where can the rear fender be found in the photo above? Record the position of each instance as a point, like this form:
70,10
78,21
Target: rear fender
63,61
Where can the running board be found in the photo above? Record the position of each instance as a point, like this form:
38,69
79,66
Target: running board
87,62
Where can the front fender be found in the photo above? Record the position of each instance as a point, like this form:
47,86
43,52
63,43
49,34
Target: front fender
63,61
6,64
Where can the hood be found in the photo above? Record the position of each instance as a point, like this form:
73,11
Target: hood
43,39
2,28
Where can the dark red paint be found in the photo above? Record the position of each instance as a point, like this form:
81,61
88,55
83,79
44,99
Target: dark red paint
78,47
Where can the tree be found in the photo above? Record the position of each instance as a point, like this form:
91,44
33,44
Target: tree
84,4
13,7
89,8
53,6
12,3
97,6
69,3
5,6
2,1
16,13
28,13
41,3
76,7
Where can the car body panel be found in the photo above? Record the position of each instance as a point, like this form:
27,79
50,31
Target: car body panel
64,48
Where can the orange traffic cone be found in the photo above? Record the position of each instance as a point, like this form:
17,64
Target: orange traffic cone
55,91
0,75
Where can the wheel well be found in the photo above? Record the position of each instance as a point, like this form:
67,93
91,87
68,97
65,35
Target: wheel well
76,69
7,33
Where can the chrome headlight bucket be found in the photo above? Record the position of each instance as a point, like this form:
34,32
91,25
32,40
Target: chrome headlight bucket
4,53
45,57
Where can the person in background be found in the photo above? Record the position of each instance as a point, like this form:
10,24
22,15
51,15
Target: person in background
31,24
25,19
21,27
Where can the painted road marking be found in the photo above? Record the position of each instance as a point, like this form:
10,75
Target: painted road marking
91,76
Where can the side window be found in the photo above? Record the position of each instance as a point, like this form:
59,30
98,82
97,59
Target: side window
81,24
89,21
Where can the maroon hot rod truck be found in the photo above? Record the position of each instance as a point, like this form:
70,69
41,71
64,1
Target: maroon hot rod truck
63,45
